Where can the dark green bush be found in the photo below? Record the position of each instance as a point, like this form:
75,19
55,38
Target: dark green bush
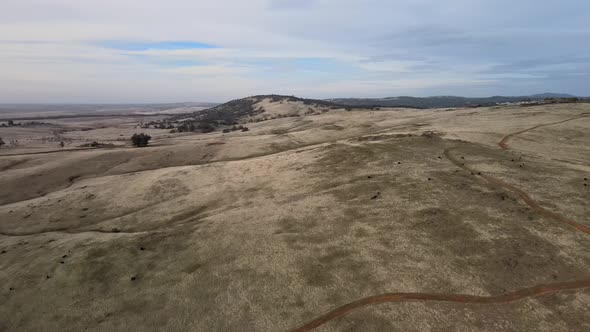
140,140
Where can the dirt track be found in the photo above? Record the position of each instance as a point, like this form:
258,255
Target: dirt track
470,299
495,182
47,152
457,298
504,142
289,219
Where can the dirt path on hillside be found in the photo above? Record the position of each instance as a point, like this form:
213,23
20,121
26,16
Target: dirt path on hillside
48,152
504,142
495,182
454,298
459,298
471,299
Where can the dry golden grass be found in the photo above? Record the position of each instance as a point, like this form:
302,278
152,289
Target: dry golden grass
267,229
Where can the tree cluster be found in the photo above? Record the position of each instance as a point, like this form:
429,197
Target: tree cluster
140,140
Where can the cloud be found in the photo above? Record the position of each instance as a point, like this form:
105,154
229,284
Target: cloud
202,71
291,4
146,50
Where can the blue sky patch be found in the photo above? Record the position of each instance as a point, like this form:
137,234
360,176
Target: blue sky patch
162,45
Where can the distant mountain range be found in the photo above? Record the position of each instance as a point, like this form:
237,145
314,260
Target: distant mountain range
442,101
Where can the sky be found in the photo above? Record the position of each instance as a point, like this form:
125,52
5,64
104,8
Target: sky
126,51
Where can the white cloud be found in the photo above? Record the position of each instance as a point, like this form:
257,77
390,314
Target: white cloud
378,47
217,70
390,66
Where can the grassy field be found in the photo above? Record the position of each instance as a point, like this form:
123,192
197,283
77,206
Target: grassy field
397,219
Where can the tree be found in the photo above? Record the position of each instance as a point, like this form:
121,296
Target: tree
205,127
140,140
10,123
186,127
1,142
61,144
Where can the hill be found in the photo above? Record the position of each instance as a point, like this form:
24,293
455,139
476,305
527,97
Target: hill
299,220
268,107
260,108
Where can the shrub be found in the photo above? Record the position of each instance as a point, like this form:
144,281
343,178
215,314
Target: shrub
226,130
1,142
245,129
205,127
186,126
140,140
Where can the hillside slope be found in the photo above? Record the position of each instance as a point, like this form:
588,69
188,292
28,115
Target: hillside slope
263,107
302,219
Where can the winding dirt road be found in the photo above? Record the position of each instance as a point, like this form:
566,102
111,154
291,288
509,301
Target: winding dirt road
455,298
48,152
471,299
504,142
495,182
516,295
